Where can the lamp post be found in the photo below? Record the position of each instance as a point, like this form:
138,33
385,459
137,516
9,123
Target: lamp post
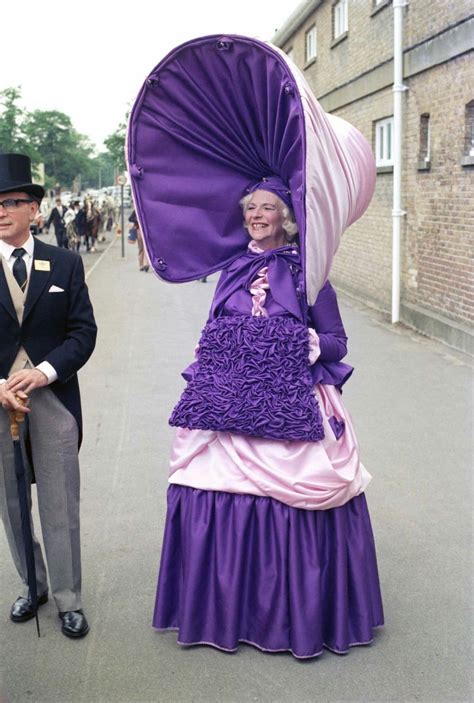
121,180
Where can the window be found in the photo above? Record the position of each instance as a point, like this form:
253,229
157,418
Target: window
340,18
425,137
311,44
383,142
424,154
469,130
378,5
468,157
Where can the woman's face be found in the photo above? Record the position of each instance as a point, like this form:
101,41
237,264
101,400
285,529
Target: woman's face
264,220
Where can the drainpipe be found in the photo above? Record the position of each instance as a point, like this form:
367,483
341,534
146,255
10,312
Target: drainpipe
397,212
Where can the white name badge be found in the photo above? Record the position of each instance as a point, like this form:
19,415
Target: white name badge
42,265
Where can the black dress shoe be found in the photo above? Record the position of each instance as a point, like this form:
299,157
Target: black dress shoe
22,610
74,623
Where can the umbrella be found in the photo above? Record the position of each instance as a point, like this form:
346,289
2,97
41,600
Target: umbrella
15,419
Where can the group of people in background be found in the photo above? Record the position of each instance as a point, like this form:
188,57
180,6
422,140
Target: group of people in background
83,224
77,224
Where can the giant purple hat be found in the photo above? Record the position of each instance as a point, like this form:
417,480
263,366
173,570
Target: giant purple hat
217,116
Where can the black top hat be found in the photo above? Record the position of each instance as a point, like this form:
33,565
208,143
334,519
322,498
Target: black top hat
15,175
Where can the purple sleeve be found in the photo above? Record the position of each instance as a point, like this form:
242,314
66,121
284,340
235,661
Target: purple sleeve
325,317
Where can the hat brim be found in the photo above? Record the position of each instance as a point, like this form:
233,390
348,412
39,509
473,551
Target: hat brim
31,188
195,147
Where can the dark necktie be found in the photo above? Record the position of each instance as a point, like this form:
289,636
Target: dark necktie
19,268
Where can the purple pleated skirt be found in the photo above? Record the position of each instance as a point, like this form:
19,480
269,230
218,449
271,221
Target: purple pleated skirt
241,568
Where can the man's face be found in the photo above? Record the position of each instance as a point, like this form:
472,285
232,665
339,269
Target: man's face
15,223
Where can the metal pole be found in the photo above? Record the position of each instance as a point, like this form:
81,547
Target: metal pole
123,222
397,212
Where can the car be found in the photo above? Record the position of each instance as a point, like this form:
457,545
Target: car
66,197
116,192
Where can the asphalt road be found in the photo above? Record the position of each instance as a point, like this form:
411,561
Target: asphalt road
410,401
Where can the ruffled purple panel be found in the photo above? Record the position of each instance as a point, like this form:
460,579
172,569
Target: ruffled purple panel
252,378
240,568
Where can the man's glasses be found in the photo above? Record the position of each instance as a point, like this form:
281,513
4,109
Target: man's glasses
11,204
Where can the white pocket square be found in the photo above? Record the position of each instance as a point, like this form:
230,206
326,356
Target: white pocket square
56,289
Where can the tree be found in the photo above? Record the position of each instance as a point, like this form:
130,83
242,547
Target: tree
65,152
49,137
12,118
115,144
104,167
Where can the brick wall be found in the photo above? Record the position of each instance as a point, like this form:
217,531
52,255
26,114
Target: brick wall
370,37
368,43
364,260
439,253
437,231
423,18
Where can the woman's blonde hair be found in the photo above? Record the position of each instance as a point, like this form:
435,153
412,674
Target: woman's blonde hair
289,222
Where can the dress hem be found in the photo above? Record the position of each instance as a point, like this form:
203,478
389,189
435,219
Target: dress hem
266,649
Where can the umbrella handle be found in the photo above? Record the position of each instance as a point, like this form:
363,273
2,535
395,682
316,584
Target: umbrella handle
16,417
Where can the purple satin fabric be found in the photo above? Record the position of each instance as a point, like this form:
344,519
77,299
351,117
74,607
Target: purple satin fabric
215,116
204,128
274,185
284,277
285,296
337,426
252,378
240,568
309,475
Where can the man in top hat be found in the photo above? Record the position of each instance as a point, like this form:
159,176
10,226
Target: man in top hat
48,332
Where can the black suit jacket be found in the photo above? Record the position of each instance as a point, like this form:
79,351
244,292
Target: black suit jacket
57,327
56,219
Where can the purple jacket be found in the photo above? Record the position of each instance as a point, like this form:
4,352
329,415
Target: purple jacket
286,297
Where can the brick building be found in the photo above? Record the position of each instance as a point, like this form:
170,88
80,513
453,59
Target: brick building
345,50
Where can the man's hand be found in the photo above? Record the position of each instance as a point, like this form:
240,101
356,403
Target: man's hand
11,401
26,380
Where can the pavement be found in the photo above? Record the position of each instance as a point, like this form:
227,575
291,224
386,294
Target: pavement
410,401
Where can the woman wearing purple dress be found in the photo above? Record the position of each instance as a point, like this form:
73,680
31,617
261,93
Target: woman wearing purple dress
267,538
269,541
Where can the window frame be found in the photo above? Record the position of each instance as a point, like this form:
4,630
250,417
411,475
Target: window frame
340,26
384,139
378,5
424,151
469,129
311,32
467,158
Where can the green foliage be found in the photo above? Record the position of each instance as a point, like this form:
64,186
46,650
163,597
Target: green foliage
104,170
49,137
64,152
115,144
12,117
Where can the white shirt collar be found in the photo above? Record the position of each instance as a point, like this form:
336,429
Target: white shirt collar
7,249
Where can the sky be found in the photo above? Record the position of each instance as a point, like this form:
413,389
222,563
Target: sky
90,59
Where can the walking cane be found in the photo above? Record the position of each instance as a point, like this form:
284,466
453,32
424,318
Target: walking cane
16,418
